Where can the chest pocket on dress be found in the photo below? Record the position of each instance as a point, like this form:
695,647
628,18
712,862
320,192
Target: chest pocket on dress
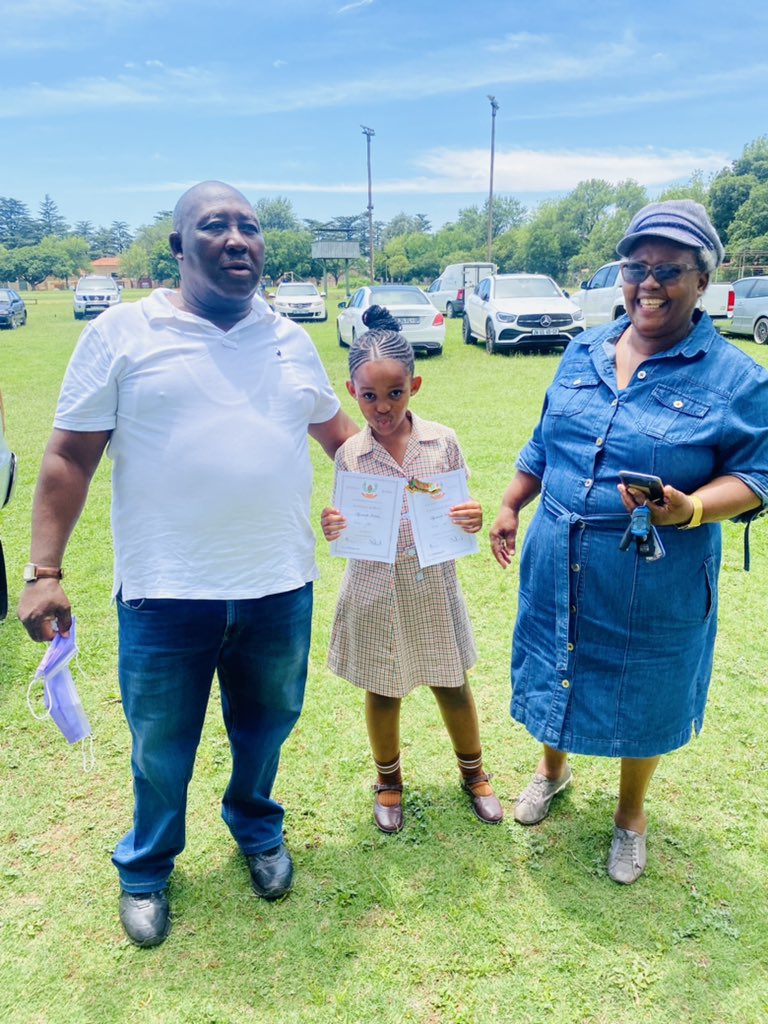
570,395
671,414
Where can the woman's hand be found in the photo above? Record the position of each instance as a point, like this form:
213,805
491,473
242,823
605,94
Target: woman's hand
503,535
333,523
468,515
722,498
676,510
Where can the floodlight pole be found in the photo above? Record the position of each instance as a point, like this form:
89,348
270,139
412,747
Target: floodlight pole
494,108
368,132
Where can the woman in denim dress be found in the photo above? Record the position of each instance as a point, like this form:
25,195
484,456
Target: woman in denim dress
612,651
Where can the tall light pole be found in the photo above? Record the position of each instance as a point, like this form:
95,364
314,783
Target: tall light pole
368,132
494,108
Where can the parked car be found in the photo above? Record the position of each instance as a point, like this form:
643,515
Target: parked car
422,325
750,311
13,312
299,300
94,294
448,292
520,311
7,481
601,298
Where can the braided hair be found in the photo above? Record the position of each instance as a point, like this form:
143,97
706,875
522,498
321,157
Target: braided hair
382,340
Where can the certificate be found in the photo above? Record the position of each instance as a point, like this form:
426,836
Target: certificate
371,505
437,537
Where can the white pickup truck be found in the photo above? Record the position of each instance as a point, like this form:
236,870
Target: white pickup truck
602,300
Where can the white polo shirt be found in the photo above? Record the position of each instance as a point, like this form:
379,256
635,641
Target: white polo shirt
212,475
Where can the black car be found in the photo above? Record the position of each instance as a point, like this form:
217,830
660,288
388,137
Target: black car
13,312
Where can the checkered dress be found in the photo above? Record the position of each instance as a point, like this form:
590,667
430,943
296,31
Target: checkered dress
400,626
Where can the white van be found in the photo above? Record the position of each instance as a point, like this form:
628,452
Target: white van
447,292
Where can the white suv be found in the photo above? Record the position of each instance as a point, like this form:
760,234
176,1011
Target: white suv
299,300
520,311
95,294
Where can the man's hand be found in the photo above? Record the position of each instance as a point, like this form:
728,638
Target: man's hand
42,604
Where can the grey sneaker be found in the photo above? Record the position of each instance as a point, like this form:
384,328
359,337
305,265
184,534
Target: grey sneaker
533,803
626,861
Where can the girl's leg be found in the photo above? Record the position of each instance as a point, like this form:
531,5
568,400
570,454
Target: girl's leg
382,717
457,706
636,775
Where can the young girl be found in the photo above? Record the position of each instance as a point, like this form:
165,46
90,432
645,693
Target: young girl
400,626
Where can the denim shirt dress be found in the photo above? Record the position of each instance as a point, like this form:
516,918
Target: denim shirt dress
612,654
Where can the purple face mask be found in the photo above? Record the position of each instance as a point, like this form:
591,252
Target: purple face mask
62,701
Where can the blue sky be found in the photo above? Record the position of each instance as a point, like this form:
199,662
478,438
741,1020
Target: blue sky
114,107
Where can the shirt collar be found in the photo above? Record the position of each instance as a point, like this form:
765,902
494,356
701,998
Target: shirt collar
421,430
158,306
697,342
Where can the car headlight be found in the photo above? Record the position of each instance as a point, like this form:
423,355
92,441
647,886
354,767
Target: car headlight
578,314
506,318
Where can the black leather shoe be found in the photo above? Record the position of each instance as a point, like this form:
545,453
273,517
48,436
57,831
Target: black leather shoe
271,872
145,916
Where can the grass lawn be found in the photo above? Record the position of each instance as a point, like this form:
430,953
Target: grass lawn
450,921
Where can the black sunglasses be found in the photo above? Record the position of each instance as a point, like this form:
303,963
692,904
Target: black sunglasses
635,272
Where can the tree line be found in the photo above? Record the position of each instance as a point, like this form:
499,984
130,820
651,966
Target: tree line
566,238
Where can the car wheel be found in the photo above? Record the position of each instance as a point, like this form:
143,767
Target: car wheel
618,312
342,343
466,332
760,333
24,320
450,311
490,338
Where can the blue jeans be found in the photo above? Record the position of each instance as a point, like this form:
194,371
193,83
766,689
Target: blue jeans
169,651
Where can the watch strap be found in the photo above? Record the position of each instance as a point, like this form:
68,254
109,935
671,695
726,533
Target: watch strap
34,572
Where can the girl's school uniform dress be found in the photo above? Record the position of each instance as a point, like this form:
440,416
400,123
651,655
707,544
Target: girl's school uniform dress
400,626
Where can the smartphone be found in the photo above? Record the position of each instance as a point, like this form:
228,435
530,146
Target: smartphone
649,485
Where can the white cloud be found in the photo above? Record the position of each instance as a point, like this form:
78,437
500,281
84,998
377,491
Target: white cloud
354,6
521,171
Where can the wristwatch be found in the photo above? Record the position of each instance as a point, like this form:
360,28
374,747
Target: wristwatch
34,572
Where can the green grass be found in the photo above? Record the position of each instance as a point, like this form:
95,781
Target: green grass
450,921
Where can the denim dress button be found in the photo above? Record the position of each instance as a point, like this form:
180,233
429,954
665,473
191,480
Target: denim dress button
565,684
642,375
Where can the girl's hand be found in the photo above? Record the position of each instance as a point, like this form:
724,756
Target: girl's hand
333,523
676,510
468,515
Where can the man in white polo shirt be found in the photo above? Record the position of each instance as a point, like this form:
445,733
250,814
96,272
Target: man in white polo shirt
203,399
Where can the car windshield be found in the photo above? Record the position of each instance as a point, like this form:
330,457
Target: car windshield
398,297
526,288
5,295
96,283
296,289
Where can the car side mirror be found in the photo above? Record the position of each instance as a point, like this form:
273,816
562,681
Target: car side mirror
342,305
584,285
566,294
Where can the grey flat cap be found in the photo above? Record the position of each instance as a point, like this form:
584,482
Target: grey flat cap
680,220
